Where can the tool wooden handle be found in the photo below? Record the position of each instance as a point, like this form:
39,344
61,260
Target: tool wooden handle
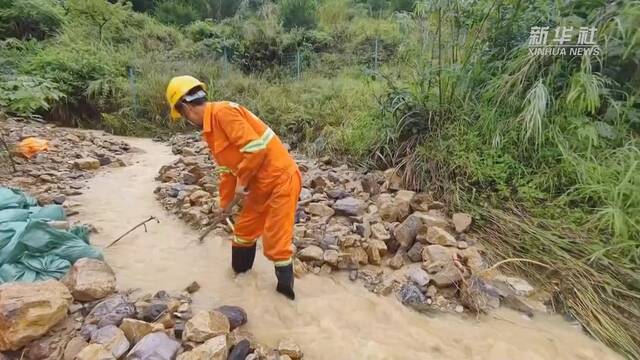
218,219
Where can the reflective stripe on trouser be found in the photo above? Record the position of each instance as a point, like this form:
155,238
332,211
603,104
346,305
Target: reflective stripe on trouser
274,223
260,143
237,240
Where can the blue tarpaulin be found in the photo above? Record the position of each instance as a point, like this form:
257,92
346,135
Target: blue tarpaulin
31,249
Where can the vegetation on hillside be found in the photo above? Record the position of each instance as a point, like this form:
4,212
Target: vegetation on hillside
544,149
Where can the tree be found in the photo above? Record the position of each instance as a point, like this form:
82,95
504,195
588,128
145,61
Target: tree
298,13
98,12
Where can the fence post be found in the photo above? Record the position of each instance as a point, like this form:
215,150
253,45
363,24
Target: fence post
375,57
225,63
298,64
134,94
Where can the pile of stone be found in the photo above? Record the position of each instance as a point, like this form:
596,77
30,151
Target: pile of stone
53,175
81,317
393,240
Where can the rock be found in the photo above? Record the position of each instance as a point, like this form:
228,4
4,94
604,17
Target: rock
305,194
104,160
437,254
331,257
311,253
431,219
29,310
198,196
113,339
51,347
318,183
393,179
205,325
193,287
156,346
189,178
299,268
347,261
349,206
135,329
320,209
462,245
94,352
418,276
518,304
378,245
396,261
188,152
337,194
86,164
370,184
461,221
359,254
151,312
364,229
59,199
379,232
479,296
421,201
439,236
406,232
238,335
459,309
518,286
87,331
432,290
235,314
73,348
212,349
449,275
289,348
374,255
90,279
111,311
411,296
240,351
415,252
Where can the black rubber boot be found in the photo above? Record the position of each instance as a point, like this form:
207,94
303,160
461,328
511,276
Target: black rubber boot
285,281
242,258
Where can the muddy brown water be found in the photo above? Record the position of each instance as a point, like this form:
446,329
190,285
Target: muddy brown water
332,318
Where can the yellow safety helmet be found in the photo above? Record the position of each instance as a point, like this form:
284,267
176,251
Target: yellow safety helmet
178,87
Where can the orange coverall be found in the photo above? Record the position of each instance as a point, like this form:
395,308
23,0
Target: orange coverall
249,153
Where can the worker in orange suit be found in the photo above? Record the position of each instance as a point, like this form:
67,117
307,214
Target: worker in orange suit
255,166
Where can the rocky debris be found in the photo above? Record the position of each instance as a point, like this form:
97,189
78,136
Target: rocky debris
349,221
235,314
289,348
113,339
110,311
73,155
29,310
135,329
240,350
95,352
213,349
90,279
74,347
157,346
461,221
205,325
518,286
193,287
53,345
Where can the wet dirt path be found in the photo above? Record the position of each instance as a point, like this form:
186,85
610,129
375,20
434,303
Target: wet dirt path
331,318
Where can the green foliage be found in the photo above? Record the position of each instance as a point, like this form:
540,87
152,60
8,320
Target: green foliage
27,95
402,5
30,18
298,13
176,12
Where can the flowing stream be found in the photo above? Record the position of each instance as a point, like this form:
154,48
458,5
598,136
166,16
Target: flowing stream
332,317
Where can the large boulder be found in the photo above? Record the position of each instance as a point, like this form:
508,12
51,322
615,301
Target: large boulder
349,206
29,310
113,339
213,349
205,325
156,346
431,219
90,279
111,311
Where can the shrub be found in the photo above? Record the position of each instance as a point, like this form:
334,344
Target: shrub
26,19
298,13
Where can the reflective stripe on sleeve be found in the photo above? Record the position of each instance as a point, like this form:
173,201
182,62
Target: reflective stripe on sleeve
260,143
